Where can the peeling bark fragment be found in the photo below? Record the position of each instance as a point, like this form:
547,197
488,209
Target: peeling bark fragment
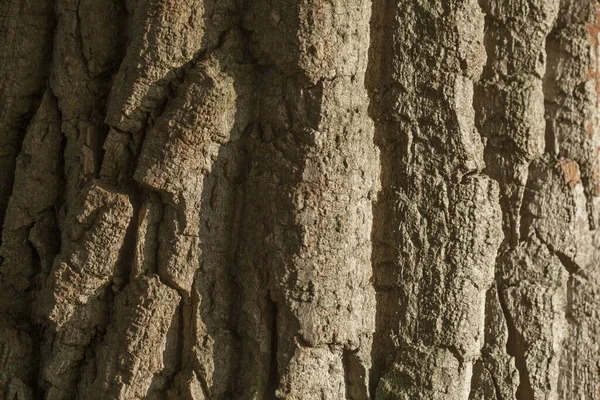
165,35
168,40
134,350
188,135
87,257
71,303
181,150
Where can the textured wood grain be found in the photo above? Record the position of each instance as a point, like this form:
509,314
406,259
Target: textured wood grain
299,199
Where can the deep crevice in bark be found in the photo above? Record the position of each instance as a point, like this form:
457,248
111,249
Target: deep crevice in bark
516,348
497,390
378,83
273,379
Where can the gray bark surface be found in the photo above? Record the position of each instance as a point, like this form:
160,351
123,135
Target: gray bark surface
300,199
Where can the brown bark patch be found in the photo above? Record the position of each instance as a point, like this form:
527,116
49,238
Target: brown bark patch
589,127
570,171
596,176
594,31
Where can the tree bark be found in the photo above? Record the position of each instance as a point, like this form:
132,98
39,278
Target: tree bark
300,199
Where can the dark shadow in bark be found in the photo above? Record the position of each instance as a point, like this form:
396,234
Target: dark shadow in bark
214,306
385,236
516,347
26,43
273,381
214,279
173,354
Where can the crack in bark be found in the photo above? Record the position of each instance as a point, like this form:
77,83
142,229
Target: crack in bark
515,348
273,378
497,390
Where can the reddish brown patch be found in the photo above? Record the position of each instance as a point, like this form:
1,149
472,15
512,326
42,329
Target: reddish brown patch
594,73
570,171
589,128
594,30
158,182
596,184
596,175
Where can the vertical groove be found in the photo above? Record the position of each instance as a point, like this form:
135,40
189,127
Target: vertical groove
273,381
385,237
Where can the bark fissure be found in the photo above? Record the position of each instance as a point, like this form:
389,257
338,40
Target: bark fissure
273,381
516,347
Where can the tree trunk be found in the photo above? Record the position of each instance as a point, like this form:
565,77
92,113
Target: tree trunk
300,199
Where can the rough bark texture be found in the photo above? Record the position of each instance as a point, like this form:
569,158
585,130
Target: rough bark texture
300,199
